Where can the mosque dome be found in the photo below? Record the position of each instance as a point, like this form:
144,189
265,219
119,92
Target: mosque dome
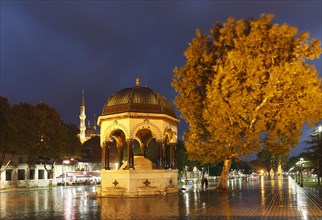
138,99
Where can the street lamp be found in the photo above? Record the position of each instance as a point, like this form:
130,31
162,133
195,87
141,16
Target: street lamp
299,164
320,129
185,173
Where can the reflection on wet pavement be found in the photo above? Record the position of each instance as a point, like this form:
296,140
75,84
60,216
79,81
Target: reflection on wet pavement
263,199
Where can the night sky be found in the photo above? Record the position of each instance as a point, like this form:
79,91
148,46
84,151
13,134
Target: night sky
51,50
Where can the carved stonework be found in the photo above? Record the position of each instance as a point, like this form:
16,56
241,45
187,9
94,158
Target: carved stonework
115,126
147,183
146,124
115,183
139,115
171,134
170,183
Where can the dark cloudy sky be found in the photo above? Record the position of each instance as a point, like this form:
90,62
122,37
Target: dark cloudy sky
51,50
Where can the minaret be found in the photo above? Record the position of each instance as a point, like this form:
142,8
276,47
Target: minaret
94,122
137,82
82,118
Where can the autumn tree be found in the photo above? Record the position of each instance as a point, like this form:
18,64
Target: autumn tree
246,82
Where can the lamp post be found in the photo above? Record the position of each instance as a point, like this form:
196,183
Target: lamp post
296,175
301,172
185,173
299,165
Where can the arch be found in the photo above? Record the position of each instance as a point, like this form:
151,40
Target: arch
137,146
149,140
146,124
112,128
138,140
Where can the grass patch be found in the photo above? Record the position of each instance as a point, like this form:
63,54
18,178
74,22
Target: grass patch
311,184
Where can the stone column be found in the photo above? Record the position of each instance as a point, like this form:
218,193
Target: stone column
165,155
103,156
172,159
130,155
160,151
107,156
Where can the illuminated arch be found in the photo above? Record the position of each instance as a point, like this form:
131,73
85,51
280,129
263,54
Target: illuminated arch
146,124
112,128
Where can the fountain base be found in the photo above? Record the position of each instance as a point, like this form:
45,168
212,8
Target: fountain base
137,183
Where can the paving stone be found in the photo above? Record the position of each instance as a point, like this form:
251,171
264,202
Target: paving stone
263,199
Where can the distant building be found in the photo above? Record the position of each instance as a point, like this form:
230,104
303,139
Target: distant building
85,133
17,174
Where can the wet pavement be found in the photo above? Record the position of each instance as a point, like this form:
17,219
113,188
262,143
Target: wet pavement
263,199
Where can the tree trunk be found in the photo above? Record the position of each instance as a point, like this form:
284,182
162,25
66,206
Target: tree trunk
224,174
5,167
51,171
269,172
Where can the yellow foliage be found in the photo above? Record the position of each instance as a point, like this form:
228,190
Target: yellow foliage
245,85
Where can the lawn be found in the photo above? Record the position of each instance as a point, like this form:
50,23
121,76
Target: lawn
311,184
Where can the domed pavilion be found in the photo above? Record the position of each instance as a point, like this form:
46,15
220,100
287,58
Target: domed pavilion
138,130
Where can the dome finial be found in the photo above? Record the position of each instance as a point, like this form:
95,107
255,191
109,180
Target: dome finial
137,82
